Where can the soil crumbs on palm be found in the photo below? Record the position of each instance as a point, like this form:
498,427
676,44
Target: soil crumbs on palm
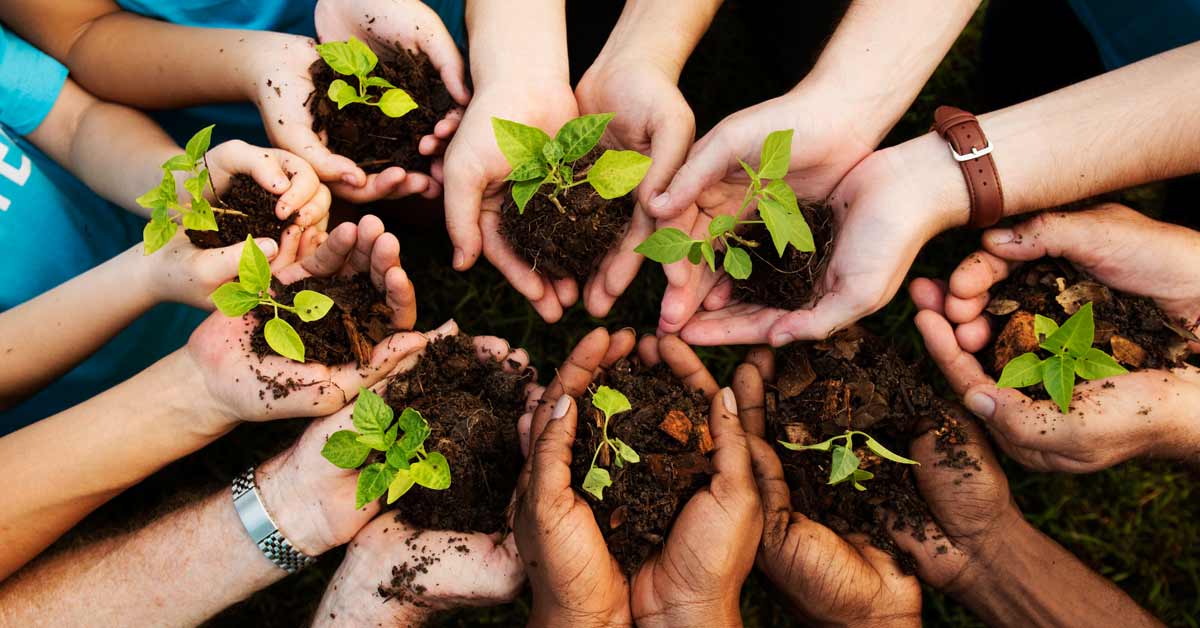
567,244
668,428
258,205
855,381
472,406
789,282
359,319
403,585
363,133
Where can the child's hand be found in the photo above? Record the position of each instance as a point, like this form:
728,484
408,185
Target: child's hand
279,172
181,272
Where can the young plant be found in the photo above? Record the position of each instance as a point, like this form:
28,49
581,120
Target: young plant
1071,354
611,403
540,163
778,209
405,459
253,289
162,200
844,466
354,58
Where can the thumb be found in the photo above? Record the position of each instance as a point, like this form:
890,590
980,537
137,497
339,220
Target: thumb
299,140
1076,236
669,142
551,461
707,163
222,264
465,185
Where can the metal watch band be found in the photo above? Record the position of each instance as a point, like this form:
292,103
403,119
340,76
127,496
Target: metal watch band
262,528
973,152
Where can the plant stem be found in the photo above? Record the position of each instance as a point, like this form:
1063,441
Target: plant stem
554,199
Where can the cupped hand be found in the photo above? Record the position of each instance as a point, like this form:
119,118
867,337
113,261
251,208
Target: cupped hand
279,172
827,579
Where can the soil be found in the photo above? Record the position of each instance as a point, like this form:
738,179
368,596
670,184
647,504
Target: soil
363,133
472,407
359,319
570,244
789,282
637,511
258,205
855,380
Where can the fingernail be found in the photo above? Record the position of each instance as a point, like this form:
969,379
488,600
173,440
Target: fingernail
782,339
730,401
561,408
459,258
981,405
660,201
1001,236
268,246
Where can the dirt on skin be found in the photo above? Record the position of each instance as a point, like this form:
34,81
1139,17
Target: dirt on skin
359,319
258,207
789,282
856,381
567,244
668,428
362,132
472,407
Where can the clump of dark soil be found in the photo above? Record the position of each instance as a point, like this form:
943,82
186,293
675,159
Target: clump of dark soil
472,406
363,133
856,381
789,282
668,428
359,319
567,244
256,216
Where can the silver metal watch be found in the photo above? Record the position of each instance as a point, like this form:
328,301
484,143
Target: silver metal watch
262,528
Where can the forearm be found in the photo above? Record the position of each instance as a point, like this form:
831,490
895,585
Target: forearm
523,42
662,33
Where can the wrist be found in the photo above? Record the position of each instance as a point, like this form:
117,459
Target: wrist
542,617
924,167
722,614
199,411
296,511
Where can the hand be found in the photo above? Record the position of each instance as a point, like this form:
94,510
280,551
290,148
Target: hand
828,580
181,272
475,188
1150,412
279,172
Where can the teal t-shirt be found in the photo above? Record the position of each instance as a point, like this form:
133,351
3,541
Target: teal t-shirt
52,228
1126,32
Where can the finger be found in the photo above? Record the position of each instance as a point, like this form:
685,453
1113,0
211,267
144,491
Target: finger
680,303
298,138
763,359
289,246
977,274
447,329
303,182
748,387
551,461
974,335
686,365
671,136
377,186
731,456
647,349
444,55
348,378
220,265
448,126
618,268
574,376
835,310
707,163
961,369
620,345
516,270
385,255
401,298
415,183
928,294
533,396
965,310
721,294
465,184
309,241
1052,234
491,348
741,324
773,490
327,259
370,228
566,290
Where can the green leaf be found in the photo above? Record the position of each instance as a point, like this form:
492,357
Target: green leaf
737,263
861,475
415,431
625,452
610,401
371,415
776,155
377,81
522,191
342,93
433,472
179,163
666,246
843,464
721,224
749,171
344,451
617,172
198,144
580,136
518,142
158,232
233,300
552,151
782,216
349,57
201,217
528,171
596,481
395,103
373,481
311,305
377,441
398,457
883,452
1058,374
1076,334
282,337
821,446
400,485
1096,364
1044,327
709,255
1021,371
253,269
195,185
694,255
161,196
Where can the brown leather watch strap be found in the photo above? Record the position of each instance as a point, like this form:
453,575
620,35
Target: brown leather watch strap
972,150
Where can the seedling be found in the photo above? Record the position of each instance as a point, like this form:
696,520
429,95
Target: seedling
253,289
405,460
844,465
540,163
777,207
354,58
163,201
1071,352
611,403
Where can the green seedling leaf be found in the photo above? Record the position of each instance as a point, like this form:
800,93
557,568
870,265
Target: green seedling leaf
1076,334
253,269
201,217
433,472
666,246
694,255
396,102
1096,364
282,337
400,485
721,224
709,255
1021,371
1044,327
311,306
373,481
158,232
781,214
596,480
179,163
611,402
161,196
397,457
552,151
519,143
371,414
878,449
776,155
737,263
528,171
198,144
1058,375
342,93
377,81
522,191
233,300
821,446
376,441
617,172
195,185
580,136
843,464
344,451
415,432
348,58
750,172
625,452
861,475
412,421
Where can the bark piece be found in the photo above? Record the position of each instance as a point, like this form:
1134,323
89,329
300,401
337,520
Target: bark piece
1077,295
1127,351
1016,338
798,433
795,380
704,438
1002,307
677,426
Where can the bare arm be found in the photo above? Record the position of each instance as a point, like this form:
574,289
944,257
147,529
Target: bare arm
660,33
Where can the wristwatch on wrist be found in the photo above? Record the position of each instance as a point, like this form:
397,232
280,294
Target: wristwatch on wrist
973,152
262,528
